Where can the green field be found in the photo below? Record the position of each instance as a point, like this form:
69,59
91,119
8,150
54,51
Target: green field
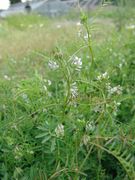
67,96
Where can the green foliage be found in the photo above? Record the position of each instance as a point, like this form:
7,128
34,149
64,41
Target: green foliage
71,115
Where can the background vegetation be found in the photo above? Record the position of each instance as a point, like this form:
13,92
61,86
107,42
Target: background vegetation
15,1
67,96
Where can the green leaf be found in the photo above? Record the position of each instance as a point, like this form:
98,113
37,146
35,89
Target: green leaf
53,145
42,135
46,139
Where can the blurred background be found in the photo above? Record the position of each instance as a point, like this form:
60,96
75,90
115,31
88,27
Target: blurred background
53,7
30,27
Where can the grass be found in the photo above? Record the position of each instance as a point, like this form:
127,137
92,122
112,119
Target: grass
22,31
62,116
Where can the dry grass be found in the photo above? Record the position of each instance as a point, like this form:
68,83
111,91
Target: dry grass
18,42
19,35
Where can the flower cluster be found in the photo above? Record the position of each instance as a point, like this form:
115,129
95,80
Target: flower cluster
114,90
45,87
98,108
130,27
78,23
58,26
74,90
7,77
103,76
59,130
18,152
41,25
90,126
53,65
117,103
85,37
116,107
25,97
85,140
77,62
48,82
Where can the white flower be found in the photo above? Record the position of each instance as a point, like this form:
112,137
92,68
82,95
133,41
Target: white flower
74,90
85,37
25,97
97,108
59,130
118,103
41,25
48,82
73,103
99,77
103,76
45,88
30,151
90,126
53,65
78,24
130,27
114,90
120,65
18,152
77,62
85,139
14,126
7,77
58,26
116,107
